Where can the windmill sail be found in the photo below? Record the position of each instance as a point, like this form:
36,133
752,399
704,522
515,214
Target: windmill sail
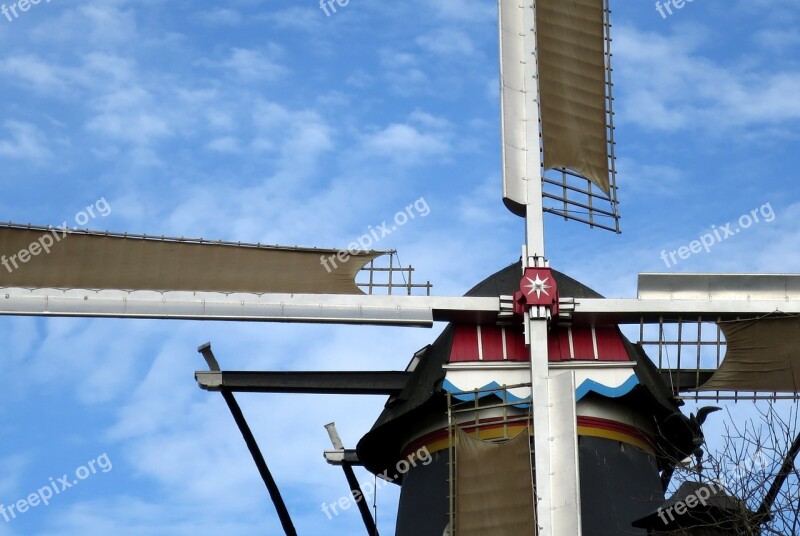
39,257
762,355
572,82
517,100
556,92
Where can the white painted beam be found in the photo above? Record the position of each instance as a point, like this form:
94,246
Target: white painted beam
695,286
631,310
565,497
419,311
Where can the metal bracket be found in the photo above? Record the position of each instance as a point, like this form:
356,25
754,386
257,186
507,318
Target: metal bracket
355,487
566,308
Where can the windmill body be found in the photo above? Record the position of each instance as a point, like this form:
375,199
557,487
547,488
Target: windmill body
622,407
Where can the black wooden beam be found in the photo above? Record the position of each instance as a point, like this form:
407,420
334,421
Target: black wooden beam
250,440
338,383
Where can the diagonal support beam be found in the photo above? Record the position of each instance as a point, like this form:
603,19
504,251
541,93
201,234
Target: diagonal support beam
352,481
252,445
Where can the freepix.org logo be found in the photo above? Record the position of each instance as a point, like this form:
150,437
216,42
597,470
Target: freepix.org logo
667,6
376,234
368,490
329,6
22,6
55,486
47,241
716,235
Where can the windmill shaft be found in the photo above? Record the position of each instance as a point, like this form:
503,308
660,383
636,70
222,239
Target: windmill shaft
557,480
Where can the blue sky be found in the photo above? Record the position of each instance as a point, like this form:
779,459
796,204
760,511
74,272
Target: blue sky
268,121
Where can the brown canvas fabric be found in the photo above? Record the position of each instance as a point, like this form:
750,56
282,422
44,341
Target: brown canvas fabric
96,261
761,355
494,486
572,81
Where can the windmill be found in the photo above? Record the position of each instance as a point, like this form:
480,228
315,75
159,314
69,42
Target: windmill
551,342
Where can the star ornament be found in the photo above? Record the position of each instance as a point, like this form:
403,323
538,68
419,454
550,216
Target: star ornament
538,286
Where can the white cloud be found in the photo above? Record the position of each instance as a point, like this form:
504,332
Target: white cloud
130,115
406,144
303,135
422,138
100,25
466,10
26,142
226,144
482,204
449,42
684,89
107,69
649,179
308,19
220,17
220,120
402,71
777,39
33,72
11,468
360,79
255,65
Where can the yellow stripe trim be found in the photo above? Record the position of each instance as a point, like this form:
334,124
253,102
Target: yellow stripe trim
498,433
616,436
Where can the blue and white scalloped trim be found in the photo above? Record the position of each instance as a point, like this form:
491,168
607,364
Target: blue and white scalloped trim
586,387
